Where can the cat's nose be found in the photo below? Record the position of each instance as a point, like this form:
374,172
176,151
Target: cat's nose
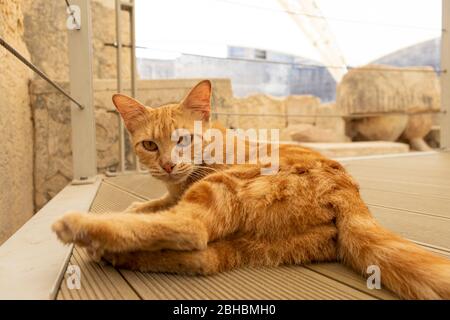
168,167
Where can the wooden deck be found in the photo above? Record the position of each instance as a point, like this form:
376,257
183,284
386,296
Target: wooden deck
407,194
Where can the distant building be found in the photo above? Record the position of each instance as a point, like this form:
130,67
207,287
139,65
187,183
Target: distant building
250,70
262,71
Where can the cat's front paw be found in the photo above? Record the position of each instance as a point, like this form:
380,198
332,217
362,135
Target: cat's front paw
75,227
69,228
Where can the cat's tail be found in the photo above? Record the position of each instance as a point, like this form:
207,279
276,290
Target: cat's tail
405,268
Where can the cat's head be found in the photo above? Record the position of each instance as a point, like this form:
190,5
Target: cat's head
151,130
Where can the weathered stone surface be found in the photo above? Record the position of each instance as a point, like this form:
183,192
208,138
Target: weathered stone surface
386,89
416,129
53,158
384,128
325,125
301,105
330,118
380,88
46,38
418,126
256,106
16,126
311,133
433,138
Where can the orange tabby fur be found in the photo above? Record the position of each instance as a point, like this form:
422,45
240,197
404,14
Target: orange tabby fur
218,217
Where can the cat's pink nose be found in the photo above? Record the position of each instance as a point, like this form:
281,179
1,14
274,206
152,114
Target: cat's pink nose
168,167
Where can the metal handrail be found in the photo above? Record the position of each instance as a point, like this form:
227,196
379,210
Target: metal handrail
8,47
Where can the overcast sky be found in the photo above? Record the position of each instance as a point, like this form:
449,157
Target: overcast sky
208,26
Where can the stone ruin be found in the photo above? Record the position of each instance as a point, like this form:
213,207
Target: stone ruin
391,91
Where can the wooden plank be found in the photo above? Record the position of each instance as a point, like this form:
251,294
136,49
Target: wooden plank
426,229
32,261
417,160
286,282
436,171
395,175
413,188
414,203
345,275
141,185
98,282
101,281
165,286
414,218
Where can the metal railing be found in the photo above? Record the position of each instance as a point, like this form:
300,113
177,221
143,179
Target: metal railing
81,84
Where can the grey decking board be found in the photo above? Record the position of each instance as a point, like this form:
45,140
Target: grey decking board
245,283
343,274
417,188
320,281
414,203
427,229
392,175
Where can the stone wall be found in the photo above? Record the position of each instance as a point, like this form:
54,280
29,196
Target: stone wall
46,38
53,159
16,126
304,116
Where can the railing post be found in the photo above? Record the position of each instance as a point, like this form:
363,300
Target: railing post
445,75
81,87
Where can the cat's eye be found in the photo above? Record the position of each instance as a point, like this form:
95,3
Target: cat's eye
185,141
149,145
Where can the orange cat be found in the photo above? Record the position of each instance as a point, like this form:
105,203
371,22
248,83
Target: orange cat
218,217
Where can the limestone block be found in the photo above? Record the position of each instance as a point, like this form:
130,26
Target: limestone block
301,105
16,126
256,106
46,38
418,126
433,138
380,88
385,128
327,119
311,133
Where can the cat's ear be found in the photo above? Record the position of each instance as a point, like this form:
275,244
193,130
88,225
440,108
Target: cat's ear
131,110
198,101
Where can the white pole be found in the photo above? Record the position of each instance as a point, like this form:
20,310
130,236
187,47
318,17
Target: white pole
81,88
122,164
445,75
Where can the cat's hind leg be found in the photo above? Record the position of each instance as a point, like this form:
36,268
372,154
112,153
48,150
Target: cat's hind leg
316,245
